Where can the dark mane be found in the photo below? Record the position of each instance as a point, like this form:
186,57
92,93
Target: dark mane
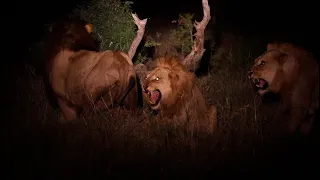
71,34
66,34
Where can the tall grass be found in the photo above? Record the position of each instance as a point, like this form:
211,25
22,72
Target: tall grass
118,140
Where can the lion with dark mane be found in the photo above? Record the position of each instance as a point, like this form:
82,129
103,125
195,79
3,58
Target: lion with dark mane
171,90
68,34
83,79
293,73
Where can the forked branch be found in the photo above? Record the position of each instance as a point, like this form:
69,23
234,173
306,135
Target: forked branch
141,28
140,69
192,60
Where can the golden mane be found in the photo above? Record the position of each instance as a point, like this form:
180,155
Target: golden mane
171,62
182,101
182,83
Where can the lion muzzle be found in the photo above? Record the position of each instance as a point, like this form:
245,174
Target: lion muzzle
154,96
259,82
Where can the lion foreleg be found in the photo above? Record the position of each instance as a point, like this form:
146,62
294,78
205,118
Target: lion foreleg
300,110
130,99
212,118
67,113
295,118
209,125
306,127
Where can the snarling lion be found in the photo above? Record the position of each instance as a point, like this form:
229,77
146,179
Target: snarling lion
84,79
293,73
171,90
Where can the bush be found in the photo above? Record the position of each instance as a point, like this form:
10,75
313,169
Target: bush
113,27
112,22
182,36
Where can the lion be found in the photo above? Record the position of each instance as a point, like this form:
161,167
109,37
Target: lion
293,73
84,80
65,34
170,90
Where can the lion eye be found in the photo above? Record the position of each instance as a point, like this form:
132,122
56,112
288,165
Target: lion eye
262,63
157,79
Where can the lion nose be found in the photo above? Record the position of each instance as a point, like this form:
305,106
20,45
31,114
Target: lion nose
145,89
250,74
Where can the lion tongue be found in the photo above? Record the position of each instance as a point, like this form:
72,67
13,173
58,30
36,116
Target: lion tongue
154,96
262,82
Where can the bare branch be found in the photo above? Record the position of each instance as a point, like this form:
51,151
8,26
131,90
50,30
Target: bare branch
192,60
141,28
141,69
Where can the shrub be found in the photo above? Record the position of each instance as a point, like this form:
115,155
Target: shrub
182,36
112,22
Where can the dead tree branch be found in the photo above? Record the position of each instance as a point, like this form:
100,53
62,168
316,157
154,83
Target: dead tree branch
141,28
192,60
141,69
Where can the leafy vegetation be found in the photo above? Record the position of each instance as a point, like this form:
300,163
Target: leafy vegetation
182,37
112,22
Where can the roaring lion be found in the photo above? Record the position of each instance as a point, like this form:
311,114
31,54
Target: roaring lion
293,73
82,78
170,89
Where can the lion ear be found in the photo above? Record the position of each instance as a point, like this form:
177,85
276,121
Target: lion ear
88,28
271,46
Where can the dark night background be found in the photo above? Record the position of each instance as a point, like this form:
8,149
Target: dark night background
295,20
22,21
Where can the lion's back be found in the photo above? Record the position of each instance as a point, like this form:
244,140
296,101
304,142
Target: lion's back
304,57
94,72
307,68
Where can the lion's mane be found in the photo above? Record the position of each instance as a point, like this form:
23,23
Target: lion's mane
183,100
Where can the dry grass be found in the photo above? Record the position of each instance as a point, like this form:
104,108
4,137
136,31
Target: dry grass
119,143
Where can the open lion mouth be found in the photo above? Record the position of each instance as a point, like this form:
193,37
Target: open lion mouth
261,83
154,96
